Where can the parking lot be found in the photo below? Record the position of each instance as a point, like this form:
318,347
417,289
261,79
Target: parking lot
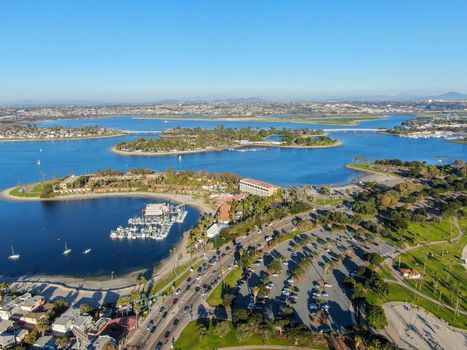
319,297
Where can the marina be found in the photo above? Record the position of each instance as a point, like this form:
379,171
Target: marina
154,223
86,224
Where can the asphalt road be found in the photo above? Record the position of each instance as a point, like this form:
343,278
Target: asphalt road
144,339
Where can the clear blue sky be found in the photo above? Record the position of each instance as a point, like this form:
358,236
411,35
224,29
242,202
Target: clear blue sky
143,50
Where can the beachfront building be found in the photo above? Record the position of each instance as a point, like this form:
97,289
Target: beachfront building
64,323
156,209
257,187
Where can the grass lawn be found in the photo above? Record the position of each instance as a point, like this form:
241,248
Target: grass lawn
443,264
431,231
34,192
189,339
230,280
385,273
329,201
369,167
160,284
399,293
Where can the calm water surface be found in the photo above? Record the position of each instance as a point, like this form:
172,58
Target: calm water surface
38,230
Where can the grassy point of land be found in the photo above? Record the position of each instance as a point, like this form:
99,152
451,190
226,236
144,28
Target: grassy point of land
369,168
30,191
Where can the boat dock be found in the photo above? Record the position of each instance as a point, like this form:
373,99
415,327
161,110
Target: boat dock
154,223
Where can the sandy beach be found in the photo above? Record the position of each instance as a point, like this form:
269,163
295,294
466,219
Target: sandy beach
198,203
99,289
212,149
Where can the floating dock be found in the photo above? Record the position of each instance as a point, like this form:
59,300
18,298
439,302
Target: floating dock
155,222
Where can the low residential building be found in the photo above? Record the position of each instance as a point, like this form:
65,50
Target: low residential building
10,307
65,321
34,316
7,340
99,326
101,342
33,303
82,322
46,342
257,187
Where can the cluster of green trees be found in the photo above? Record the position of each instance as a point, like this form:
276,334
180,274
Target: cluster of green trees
44,325
365,279
255,212
440,188
248,323
114,178
186,139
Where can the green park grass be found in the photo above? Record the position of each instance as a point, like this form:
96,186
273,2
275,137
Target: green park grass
230,280
329,201
35,191
162,283
369,167
443,264
402,294
385,273
189,339
431,231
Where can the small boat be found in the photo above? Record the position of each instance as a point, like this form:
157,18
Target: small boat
13,256
40,149
179,157
67,250
87,251
38,162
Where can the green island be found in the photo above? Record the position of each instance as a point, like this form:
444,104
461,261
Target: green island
186,140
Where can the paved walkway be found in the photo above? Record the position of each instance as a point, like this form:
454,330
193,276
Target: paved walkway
399,280
412,328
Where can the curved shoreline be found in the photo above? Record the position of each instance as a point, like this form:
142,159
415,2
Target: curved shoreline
174,153
99,283
65,138
176,197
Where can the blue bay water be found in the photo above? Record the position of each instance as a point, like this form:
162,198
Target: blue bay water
21,224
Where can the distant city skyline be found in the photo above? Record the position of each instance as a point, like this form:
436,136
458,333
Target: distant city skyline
146,51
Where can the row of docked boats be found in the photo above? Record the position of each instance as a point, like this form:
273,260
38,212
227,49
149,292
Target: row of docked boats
155,222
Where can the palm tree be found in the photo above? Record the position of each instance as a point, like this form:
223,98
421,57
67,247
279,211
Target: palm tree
326,267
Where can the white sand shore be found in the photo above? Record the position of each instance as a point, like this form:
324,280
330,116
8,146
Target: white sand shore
198,203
